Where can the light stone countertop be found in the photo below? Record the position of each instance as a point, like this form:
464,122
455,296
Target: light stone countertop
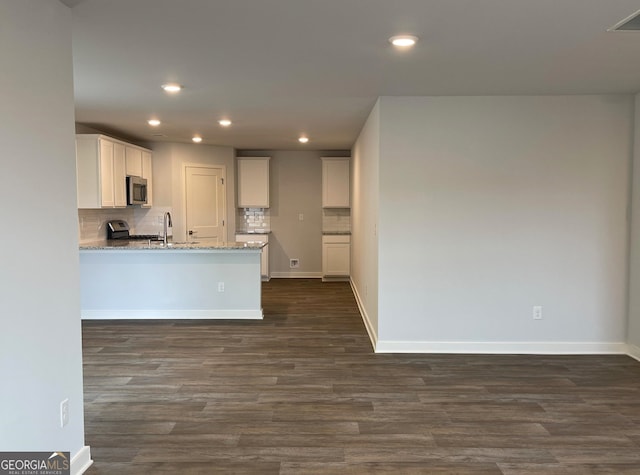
145,245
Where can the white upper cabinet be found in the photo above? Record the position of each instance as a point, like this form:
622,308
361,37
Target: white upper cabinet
253,182
134,161
103,164
101,172
120,175
147,173
139,163
335,182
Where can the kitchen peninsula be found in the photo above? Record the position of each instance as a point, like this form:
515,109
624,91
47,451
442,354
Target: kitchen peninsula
150,280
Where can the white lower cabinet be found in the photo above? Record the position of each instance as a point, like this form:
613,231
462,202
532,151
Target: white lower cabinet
336,256
264,262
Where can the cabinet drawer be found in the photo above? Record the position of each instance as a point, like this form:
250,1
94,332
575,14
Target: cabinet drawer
336,238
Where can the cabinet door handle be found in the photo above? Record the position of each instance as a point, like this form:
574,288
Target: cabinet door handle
190,232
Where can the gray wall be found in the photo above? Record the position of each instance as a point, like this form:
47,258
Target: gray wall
40,341
503,203
295,187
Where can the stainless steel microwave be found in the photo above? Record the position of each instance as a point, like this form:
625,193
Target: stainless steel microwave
136,190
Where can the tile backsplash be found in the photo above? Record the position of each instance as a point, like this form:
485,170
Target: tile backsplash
251,219
92,223
336,220
150,220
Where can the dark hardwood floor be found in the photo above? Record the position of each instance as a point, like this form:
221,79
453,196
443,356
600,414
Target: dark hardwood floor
302,393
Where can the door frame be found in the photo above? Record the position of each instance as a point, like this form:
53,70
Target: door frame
224,196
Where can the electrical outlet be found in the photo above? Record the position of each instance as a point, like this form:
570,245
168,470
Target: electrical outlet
301,217
537,312
294,263
220,286
64,412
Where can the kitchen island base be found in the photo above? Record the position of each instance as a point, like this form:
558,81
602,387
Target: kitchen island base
170,284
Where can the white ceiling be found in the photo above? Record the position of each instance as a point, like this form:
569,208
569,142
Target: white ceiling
281,68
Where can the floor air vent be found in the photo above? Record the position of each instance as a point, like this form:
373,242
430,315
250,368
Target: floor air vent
631,23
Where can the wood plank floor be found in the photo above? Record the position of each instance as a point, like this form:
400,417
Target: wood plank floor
302,393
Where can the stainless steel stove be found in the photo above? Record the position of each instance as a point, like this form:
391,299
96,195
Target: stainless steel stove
118,229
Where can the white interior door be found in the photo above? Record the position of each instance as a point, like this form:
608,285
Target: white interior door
205,204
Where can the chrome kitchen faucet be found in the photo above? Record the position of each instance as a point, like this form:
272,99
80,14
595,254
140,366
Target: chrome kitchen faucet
166,224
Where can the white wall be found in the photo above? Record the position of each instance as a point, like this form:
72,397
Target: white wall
365,190
634,259
491,205
40,341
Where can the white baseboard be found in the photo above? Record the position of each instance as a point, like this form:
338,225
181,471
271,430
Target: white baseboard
160,314
525,347
633,351
336,279
296,275
81,461
373,336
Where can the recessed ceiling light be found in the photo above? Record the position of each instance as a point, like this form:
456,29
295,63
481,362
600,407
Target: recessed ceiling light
224,122
197,139
172,87
403,41
303,139
153,122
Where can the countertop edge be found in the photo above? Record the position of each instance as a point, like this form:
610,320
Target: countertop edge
133,246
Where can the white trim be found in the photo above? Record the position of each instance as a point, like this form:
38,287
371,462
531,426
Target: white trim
81,461
373,336
212,314
336,279
633,351
296,275
524,347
